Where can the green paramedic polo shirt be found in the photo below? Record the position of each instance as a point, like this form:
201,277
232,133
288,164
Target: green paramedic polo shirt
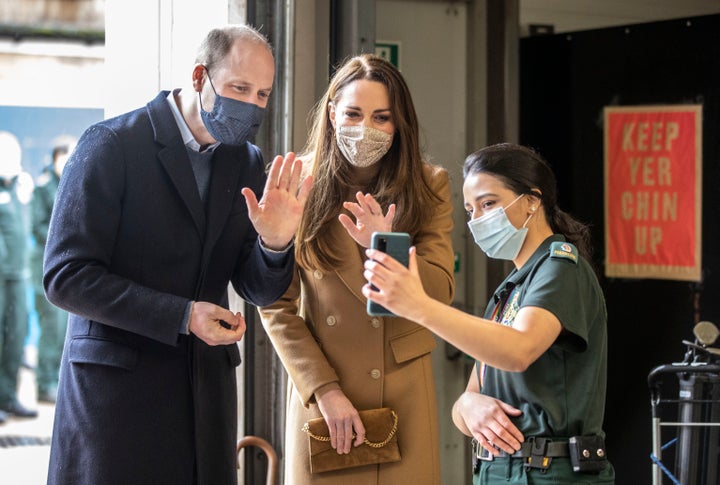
562,393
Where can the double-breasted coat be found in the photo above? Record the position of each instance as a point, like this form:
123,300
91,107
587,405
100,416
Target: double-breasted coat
130,245
323,335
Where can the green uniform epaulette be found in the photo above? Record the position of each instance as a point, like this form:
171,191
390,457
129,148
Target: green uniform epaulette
564,250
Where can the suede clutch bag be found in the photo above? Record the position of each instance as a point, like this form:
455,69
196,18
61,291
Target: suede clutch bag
380,444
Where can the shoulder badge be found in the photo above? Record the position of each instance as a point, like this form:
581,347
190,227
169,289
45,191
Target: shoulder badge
43,179
564,250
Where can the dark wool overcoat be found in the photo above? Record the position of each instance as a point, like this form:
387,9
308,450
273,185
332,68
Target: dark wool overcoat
130,245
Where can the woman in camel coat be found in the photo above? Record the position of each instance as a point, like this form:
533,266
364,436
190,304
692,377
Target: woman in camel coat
368,176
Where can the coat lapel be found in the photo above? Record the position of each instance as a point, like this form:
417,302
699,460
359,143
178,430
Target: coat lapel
224,182
174,158
351,272
177,165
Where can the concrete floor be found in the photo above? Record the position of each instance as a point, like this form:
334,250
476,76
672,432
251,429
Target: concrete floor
25,443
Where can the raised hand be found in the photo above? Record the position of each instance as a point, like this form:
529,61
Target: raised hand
397,288
368,218
277,215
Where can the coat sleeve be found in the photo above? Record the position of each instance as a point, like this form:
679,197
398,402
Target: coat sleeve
261,275
81,245
295,344
433,243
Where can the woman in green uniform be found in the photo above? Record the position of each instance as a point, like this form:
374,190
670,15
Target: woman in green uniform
534,403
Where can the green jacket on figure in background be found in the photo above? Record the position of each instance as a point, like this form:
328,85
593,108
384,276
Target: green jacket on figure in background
51,319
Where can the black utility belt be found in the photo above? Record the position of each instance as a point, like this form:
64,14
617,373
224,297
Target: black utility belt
587,453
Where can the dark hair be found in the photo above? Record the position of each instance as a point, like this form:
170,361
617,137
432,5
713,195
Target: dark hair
524,171
60,150
62,145
217,43
401,179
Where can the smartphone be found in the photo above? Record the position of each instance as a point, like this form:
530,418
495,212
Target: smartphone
397,245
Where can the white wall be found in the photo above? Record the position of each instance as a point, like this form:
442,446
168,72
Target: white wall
434,67
53,74
151,44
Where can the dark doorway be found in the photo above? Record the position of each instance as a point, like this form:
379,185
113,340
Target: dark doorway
566,80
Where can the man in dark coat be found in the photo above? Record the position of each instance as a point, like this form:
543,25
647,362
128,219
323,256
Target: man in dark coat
156,213
51,319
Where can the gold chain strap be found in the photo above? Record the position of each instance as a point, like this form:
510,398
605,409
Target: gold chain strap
372,444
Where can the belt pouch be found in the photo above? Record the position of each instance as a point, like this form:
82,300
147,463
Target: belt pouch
587,453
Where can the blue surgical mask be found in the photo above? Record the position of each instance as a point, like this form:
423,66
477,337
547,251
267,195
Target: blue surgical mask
231,121
496,235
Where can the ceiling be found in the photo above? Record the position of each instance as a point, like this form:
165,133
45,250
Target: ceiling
574,15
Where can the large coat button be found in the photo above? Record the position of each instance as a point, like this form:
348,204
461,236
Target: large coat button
375,373
331,320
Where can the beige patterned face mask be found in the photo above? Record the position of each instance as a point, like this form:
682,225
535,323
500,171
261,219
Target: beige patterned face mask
362,145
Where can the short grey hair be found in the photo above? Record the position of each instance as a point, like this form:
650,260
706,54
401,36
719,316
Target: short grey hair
218,42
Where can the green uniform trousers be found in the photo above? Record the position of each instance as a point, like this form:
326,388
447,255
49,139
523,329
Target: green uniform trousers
13,330
53,324
511,471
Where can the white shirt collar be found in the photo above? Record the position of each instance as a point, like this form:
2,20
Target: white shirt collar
187,136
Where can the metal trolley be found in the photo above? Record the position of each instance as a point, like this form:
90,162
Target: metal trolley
695,444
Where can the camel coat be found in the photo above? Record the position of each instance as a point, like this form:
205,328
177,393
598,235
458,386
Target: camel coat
324,337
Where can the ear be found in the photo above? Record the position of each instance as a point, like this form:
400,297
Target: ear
331,113
534,200
198,77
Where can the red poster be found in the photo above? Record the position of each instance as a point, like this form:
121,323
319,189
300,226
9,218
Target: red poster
653,192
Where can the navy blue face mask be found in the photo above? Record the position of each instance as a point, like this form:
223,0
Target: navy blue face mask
231,121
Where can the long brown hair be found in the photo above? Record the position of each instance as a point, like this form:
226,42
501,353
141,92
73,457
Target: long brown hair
400,179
